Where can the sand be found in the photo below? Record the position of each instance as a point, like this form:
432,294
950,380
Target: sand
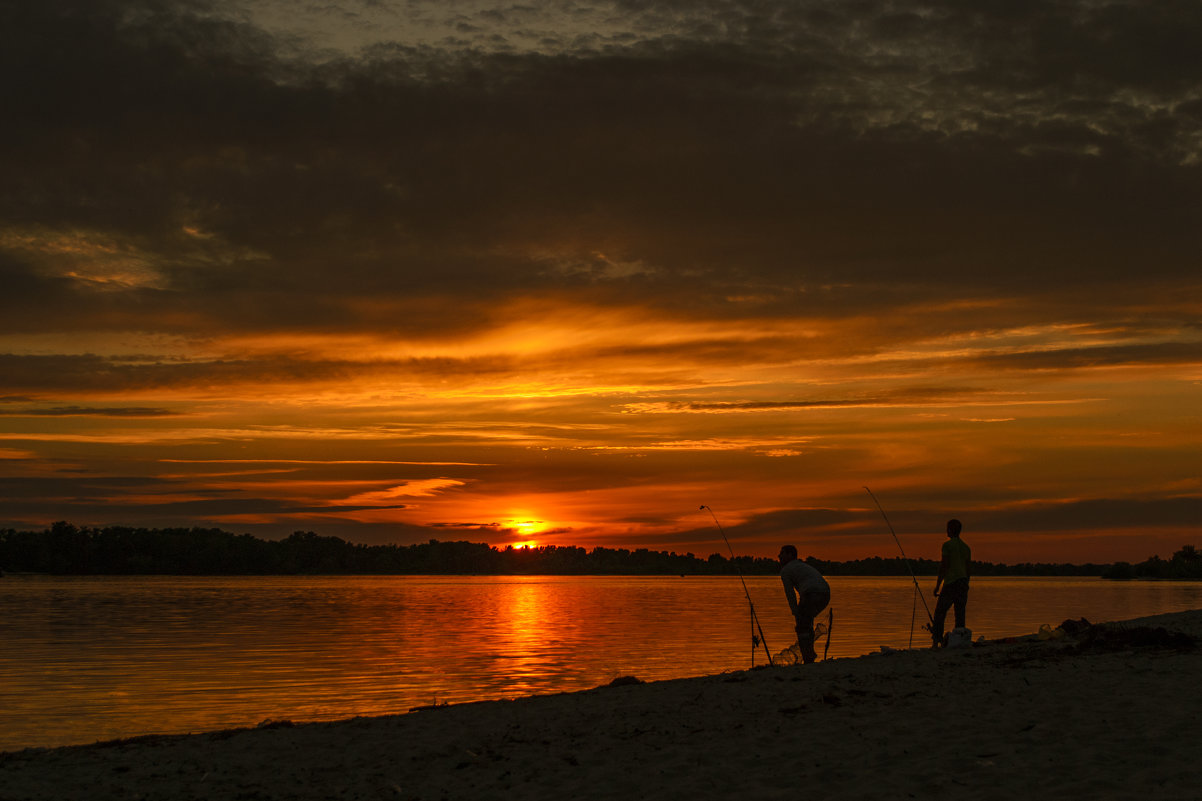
1088,717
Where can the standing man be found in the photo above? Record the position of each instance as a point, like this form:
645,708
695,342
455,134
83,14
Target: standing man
808,594
953,575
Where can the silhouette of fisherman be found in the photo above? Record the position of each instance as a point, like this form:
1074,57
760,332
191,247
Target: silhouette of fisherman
808,594
953,575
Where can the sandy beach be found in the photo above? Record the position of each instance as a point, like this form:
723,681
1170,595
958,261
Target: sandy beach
1111,712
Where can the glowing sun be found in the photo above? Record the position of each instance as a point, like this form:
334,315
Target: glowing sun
525,527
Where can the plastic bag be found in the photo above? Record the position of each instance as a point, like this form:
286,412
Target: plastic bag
959,638
1046,632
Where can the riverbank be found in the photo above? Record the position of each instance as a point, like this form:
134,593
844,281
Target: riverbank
1110,712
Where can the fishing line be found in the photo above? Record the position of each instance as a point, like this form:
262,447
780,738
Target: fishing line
908,565
755,621
913,615
830,624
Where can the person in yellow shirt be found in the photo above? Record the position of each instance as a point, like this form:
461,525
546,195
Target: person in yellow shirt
953,576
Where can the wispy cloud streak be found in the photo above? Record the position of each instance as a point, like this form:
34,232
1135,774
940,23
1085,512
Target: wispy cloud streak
589,261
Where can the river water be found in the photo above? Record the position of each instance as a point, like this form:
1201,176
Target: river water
94,658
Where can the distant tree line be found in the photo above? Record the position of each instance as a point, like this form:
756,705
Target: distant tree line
65,549
69,550
1185,564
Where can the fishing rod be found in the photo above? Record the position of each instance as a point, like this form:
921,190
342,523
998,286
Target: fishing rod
755,621
904,558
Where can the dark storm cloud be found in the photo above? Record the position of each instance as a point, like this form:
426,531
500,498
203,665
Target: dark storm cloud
217,507
93,508
1166,353
907,396
938,147
1096,514
828,526
105,496
789,524
92,373
83,411
78,486
767,406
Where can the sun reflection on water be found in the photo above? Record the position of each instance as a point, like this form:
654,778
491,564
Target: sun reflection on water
93,658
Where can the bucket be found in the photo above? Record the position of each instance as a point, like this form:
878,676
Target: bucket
959,637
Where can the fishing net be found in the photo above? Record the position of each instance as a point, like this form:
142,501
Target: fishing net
792,654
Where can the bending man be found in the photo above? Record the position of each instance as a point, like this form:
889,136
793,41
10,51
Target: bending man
953,575
808,594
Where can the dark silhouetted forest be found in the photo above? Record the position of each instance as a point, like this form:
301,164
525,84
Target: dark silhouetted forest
65,549
1185,564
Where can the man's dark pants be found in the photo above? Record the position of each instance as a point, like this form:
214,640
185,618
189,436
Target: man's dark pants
954,594
808,607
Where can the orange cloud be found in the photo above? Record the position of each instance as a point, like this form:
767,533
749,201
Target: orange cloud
422,488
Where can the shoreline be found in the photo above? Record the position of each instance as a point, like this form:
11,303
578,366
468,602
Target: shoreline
1110,716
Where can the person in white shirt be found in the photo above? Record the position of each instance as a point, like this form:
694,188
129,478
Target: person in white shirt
808,594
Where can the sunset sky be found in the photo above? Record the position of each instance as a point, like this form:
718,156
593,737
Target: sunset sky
561,272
